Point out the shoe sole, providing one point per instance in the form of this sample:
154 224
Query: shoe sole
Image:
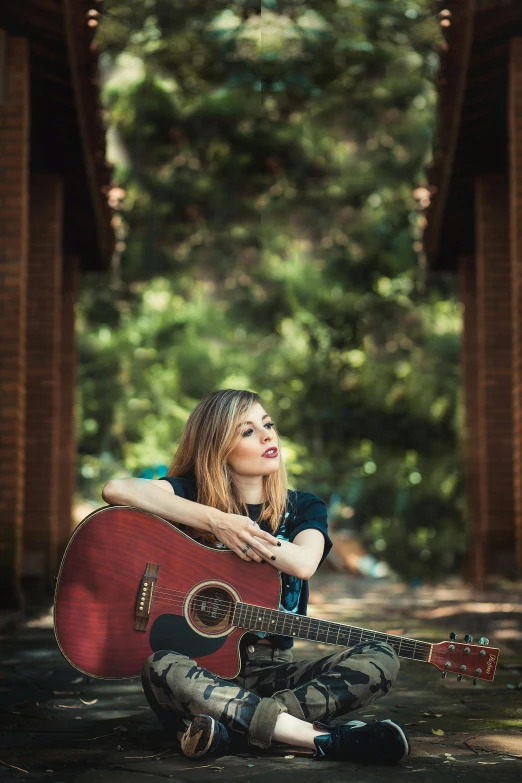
197 739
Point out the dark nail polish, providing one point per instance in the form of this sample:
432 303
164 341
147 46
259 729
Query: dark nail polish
273 557
278 543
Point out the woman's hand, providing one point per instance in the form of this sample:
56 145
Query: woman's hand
243 536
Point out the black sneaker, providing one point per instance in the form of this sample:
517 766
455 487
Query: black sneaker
378 742
205 737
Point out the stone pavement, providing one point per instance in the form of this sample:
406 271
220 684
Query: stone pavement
57 725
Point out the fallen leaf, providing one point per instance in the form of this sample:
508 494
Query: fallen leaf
438 732
88 702
76 679
286 757
431 714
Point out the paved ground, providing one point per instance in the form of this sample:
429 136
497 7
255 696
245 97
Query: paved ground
57 725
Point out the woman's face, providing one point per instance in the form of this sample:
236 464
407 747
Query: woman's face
257 437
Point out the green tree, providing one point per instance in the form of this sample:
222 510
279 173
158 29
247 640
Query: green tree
273 161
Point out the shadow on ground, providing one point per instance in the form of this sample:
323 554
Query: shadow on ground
58 725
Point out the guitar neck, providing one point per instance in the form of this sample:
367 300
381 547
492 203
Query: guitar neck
273 621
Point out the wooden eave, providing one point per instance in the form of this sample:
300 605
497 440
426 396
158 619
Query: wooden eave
67 130
473 115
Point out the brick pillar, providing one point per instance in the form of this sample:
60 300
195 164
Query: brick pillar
67 469
494 377
14 193
468 295
515 154
43 415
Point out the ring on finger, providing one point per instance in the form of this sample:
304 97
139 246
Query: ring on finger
245 550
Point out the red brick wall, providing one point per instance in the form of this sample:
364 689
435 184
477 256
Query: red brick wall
14 174
67 458
515 152
494 375
43 414
468 293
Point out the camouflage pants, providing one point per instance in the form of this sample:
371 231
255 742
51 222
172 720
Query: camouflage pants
268 684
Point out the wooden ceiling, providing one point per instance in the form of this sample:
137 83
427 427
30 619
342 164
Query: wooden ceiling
67 131
473 120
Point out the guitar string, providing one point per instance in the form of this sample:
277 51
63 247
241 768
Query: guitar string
406 645
404 641
226 607
167 592
291 618
226 604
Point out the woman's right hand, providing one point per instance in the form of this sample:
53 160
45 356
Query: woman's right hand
237 533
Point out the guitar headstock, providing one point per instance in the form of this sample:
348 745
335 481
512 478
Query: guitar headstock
465 659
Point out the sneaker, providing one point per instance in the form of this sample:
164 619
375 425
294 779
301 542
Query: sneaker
378 742
205 737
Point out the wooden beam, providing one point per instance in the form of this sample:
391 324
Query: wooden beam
456 63
85 94
515 157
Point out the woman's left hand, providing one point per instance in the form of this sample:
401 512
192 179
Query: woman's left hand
298 558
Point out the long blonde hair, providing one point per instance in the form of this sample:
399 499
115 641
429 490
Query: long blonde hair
209 436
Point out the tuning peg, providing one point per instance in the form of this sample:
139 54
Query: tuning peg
444 675
484 641
475 680
459 677
453 636
468 638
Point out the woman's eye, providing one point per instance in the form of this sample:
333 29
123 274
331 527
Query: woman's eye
250 431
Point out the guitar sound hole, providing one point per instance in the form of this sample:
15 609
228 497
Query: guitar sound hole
212 608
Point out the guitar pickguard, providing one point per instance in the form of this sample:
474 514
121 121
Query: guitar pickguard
172 632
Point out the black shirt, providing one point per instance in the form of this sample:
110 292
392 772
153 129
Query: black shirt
303 511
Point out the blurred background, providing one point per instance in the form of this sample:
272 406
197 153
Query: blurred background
271 174
277 208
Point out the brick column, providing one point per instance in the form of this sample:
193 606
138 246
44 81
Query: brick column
468 295
494 377
43 416
14 187
515 154
67 458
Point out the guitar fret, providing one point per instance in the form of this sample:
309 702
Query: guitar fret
279 622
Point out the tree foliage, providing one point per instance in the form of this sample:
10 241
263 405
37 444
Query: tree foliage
272 157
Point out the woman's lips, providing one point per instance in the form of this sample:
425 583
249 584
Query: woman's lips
271 454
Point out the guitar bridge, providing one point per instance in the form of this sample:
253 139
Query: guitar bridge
145 596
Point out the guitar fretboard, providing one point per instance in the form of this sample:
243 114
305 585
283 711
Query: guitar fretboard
258 618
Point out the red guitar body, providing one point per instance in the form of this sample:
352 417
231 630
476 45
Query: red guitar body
130 583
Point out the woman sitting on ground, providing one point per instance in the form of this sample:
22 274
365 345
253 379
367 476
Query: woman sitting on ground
228 486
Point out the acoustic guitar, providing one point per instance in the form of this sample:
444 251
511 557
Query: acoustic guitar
130 583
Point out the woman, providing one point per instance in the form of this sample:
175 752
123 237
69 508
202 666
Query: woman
228 486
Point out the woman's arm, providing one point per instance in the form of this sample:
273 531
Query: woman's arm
233 530
301 557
